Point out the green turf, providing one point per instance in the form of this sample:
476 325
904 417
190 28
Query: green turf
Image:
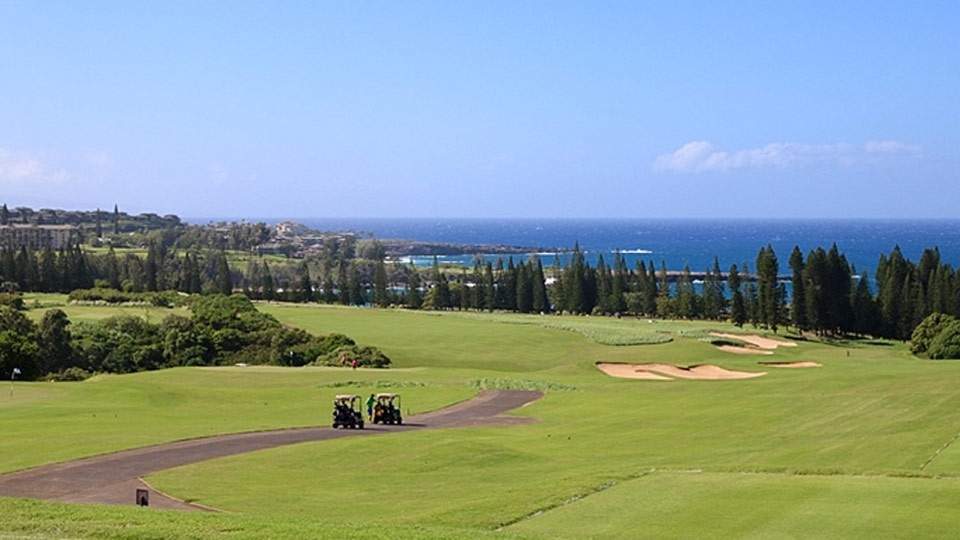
863 446
693 504
50 422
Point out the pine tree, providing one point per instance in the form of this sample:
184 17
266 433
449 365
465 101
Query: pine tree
478 294
650 292
798 310
524 293
509 283
768 298
268 289
541 303
194 279
251 282
381 298
892 272
465 294
56 350
621 280
355 293
664 307
604 286
224 277
150 267
490 287
814 275
713 299
414 297
866 315
439 294
329 288
305 286
50 281
574 281
113 268
27 274
557 292
343 281
738 310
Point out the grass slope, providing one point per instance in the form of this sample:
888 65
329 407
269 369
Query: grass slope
860 447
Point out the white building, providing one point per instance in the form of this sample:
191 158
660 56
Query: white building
36 237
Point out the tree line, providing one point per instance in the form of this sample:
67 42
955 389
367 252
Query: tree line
220 330
818 292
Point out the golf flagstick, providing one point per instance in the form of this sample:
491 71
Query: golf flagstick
13 374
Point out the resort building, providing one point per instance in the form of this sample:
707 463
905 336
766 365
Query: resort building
15 236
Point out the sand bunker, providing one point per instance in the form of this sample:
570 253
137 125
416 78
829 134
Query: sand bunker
630 371
792 364
743 350
662 372
757 341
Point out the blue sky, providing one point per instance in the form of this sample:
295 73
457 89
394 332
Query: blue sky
482 109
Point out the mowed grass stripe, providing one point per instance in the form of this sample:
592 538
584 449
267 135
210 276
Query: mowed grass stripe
677 504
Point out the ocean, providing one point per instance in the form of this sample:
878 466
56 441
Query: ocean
674 242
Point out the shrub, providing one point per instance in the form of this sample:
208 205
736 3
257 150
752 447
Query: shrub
946 346
365 357
71 374
928 330
13 300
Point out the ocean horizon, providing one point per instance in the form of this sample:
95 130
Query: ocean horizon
675 243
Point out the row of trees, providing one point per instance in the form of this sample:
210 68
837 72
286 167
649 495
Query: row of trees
221 330
822 293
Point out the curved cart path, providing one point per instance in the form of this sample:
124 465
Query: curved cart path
114 478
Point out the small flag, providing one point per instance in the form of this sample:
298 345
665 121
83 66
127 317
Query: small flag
16 371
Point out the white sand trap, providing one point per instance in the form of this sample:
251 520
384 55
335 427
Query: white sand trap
792 364
629 371
669 372
756 341
743 350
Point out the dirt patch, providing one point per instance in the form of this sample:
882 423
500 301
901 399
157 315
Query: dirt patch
756 341
792 364
670 372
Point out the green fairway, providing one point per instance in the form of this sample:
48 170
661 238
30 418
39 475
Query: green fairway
862 446
112 412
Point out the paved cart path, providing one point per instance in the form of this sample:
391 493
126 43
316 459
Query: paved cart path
114 478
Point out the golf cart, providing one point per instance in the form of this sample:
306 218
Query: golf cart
347 412
387 409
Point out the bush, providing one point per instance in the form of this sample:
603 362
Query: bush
928 330
113 297
946 346
13 300
365 357
71 374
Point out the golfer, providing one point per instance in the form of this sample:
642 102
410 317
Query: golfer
371 401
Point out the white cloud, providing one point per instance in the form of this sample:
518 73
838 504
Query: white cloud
891 147
18 167
701 156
